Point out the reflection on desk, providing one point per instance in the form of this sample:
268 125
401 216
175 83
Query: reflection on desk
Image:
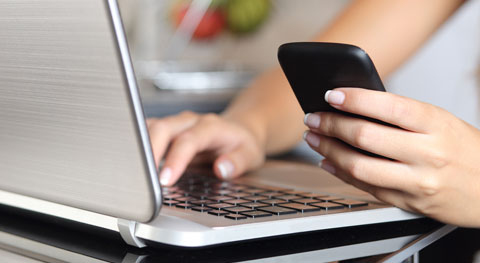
52 239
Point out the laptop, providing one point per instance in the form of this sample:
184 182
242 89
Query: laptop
74 145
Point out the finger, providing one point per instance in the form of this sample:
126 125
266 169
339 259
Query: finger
394 109
378 172
386 141
393 197
234 163
180 154
204 136
162 131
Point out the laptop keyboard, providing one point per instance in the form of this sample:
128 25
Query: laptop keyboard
207 194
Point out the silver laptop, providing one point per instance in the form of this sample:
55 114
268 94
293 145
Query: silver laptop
74 145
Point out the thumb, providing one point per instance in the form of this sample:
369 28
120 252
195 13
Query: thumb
233 164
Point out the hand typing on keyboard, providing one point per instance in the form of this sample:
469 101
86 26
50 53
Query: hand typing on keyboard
231 147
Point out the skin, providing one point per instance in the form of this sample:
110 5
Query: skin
434 165
266 119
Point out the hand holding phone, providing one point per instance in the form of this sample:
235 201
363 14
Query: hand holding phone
313 68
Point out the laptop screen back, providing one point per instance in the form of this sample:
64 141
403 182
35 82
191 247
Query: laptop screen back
71 124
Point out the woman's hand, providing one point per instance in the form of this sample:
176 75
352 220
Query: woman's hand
231 146
434 159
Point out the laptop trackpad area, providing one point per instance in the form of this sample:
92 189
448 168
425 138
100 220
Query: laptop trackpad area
304 177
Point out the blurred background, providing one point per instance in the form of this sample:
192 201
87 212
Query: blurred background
199 58
180 67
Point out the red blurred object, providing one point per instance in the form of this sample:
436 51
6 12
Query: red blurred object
211 24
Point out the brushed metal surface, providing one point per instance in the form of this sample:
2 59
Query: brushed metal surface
68 131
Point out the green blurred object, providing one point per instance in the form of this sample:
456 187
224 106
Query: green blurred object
245 16
218 3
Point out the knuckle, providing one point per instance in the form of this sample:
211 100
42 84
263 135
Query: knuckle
210 117
429 185
399 109
324 148
356 169
437 158
185 137
188 114
421 206
362 135
326 125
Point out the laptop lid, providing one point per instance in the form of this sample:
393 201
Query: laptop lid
72 129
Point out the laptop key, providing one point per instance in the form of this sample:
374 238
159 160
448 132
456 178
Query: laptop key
293 192
235 216
185 199
184 205
219 205
238 209
256 214
288 197
201 208
170 202
312 195
219 198
239 195
351 203
236 201
275 201
218 212
199 195
305 201
277 210
328 205
255 198
202 202
300 207
254 191
254 205
329 198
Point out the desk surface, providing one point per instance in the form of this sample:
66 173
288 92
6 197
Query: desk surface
33 234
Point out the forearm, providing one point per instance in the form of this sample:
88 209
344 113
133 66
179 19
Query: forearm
390 31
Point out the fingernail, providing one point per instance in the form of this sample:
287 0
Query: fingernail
311 138
335 97
226 169
327 167
165 176
312 120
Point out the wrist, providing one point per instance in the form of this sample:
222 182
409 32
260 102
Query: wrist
252 124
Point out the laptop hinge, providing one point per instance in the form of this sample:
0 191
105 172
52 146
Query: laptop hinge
127 231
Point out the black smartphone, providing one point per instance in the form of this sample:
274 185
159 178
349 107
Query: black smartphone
312 68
